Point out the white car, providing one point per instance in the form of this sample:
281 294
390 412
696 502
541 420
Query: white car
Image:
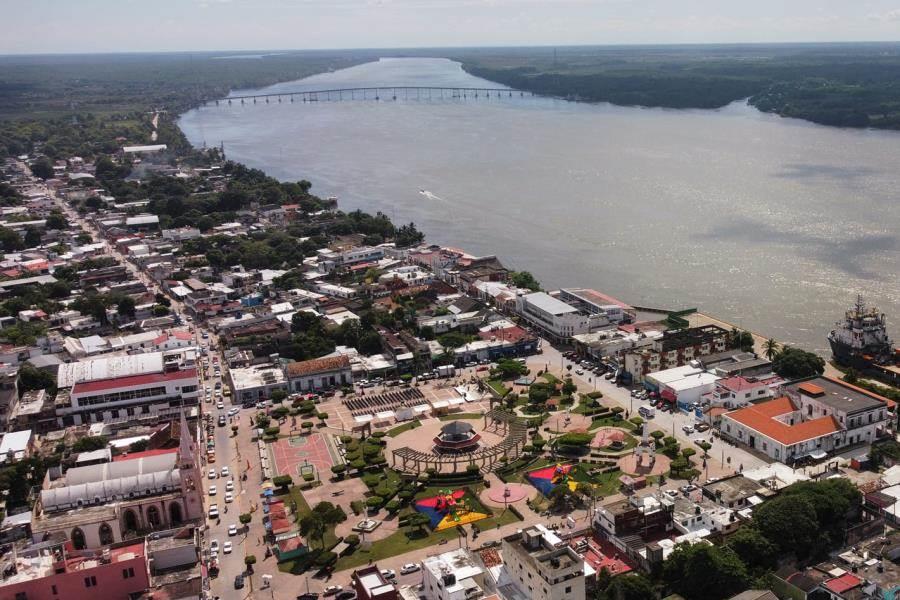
409 568
212 474
226 547
331 590
225 472
232 529
229 485
688 429
212 490
213 511
233 411
388 574
220 405
579 372
214 546
229 497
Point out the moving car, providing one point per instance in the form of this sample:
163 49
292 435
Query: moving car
701 427
388 574
226 548
409 568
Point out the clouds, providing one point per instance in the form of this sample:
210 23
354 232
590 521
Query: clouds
52 26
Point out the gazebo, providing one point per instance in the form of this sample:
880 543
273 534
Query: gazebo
456 436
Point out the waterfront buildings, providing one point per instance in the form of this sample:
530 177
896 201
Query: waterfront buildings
810 418
674 349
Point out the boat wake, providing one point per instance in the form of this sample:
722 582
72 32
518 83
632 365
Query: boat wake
430 196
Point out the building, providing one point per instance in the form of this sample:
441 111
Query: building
681 386
102 504
319 373
50 571
370 584
738 391
593 302
610 343
16 446
674 349
557 319
454 575
122 389
256 383
541 565
812 418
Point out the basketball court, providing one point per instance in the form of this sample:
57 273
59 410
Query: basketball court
291 454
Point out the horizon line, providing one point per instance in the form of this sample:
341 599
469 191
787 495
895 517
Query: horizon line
468 47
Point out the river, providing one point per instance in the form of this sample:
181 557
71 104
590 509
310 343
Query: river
772 223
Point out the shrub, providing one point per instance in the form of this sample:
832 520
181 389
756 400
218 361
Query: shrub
374 502
306 425
352 540
322 416
378 435
282 480
250 559
637 421
272 431
357 506
392 506
309 477
346 439
472 468
325 558
358 464
245 518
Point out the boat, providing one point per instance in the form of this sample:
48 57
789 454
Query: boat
861 339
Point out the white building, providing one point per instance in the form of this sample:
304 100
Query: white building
541 565
319 373
558 319
453 575
256 383
813 418
122 389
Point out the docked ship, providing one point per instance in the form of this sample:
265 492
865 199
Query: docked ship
861 339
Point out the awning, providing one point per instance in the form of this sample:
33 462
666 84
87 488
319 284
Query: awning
440 404
455 401
422 408
363 418
387 414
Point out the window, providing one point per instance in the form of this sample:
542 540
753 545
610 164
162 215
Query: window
90 581
23 595
569 589
128 573
53 590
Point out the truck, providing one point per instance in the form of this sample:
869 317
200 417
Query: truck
445 371
647 411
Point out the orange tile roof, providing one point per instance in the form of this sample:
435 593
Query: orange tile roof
760 418
318 365
811 389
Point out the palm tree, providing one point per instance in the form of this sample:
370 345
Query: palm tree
771 348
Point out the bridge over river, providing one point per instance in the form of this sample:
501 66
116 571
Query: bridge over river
391 93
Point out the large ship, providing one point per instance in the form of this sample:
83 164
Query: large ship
861 339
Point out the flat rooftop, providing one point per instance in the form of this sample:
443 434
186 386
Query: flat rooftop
837 394
549 304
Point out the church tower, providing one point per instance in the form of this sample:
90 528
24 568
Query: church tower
191 486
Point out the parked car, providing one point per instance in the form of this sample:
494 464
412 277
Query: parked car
409 568
701 427
388 574
212 474
225 472
331 590
346 595
226 548
688 429
238 582
212 490
229 485
214 546
229 497
213 511
232 529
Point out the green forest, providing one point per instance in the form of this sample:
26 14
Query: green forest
845 85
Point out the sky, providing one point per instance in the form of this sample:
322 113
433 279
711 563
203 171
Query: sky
68 26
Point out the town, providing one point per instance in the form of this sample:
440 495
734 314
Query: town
215 385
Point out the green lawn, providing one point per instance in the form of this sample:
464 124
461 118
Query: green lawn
498 387
551 378
405 427
406 540
298 565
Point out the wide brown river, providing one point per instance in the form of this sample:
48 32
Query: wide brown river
772 223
